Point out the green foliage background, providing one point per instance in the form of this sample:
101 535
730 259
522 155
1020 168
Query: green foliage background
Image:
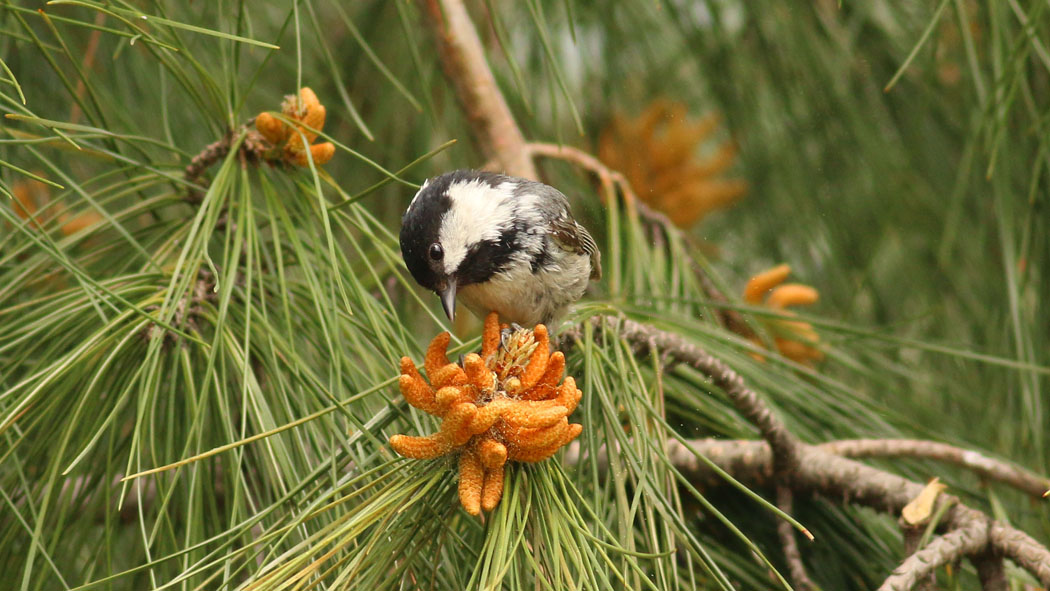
919 213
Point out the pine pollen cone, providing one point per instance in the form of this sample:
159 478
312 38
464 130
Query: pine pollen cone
503 404
296 141
795 339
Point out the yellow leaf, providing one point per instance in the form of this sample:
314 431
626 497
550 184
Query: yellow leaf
920 508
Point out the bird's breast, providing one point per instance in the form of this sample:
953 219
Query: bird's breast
528 297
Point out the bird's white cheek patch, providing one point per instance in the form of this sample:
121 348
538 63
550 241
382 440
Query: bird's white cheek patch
479 212
418 193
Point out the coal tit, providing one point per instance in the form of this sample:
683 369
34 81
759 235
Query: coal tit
498 243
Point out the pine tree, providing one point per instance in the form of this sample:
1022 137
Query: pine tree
204 311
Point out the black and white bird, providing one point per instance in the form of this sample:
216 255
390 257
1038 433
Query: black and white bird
498 243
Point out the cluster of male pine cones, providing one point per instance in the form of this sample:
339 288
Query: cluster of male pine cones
308 110
503 404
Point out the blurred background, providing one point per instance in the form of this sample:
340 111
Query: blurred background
893 153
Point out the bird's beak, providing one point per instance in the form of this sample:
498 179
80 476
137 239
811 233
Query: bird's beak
448 299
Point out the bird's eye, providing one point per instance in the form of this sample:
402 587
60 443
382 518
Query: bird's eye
436 252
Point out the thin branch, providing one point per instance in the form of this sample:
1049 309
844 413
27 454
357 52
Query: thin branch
679 350
990 571
252 151
989 468
463 61
837 478
918 567
610 181
796 568
912 535
204 159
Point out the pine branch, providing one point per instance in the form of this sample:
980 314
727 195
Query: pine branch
979 463
463 62
837 478
920 566
786 532
676 349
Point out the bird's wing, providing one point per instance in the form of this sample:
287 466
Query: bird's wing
574 237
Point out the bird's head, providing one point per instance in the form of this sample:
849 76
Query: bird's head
461 228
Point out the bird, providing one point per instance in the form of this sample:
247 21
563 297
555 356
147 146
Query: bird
499 244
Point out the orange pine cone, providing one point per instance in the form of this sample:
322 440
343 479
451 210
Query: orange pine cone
658 152
538 361
794 339
450 375
537 455
457 420
530 439
761 284
483 418
490 337
531 416
415 390
489 414
271 128
493 454
422 448
478 373
492 490
471 478
435 357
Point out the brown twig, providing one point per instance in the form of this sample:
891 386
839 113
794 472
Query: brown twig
821 472
611 180
917 568
252 151
676 349
989 468
187 309
463 62
990 571
912 535
786 532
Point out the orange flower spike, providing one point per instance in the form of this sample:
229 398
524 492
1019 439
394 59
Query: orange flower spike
801 331
415 389
422 448
321 153
493 454
471 478
490 336
478 373
526 439
758 285
271 128
538 360
436 357
305 108
798 352
568 395
492 489
445 398
533 417
488 415
548 384
450 375
314 118
538 455
482 420
792 294
457 421
74 224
